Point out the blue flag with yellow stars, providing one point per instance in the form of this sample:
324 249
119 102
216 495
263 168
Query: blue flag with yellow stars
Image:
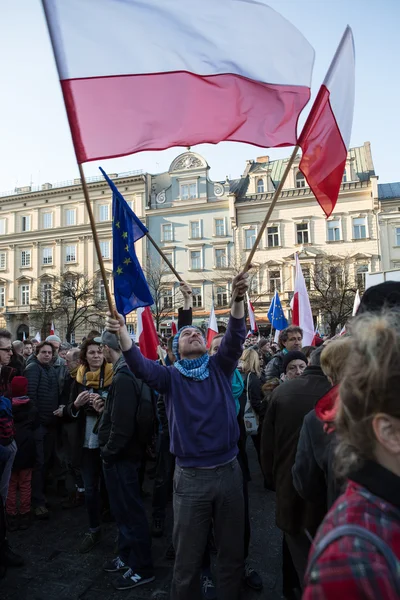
275 314
130 285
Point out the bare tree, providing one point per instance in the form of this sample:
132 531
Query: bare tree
333 288
161 283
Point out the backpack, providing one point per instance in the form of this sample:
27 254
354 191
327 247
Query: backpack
250 418
365 534
145 415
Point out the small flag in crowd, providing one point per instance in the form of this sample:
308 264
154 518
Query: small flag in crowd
252 318
23 336
52 329
174 328
212 328
325 138
275 314
148 75
38 337
130 285
357 302
146 335
301 307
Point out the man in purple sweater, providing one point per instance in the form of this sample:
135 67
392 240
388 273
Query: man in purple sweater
204 434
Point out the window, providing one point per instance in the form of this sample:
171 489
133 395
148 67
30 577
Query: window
70 217
25 258
105 249
131 329
360 228
104 210
3 260
47 220
253 286
170 257
222 296
70 254
47 257
188 190
307 276
302 233
220 258
131 204
102 291
360 276
274 281
26 223
46 293
397 236
167 232
197 298
249 238
300 180
167 298
260 186
273 236
344 178
25 294
72 337
195 260
2 296
219 227
334 230
2 226
195 233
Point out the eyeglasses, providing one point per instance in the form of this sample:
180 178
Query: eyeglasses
9 349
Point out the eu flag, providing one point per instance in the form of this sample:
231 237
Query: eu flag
130 285
275 314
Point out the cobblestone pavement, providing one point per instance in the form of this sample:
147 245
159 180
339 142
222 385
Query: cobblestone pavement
56 571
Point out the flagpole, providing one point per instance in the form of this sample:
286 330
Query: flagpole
96 240
161 253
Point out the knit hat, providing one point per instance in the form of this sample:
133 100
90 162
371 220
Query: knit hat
53 338
19 386
293 355
175 343
108 339
377 297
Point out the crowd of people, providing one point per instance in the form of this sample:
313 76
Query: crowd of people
324 422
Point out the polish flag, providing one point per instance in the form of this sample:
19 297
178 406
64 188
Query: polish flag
252 319
212 329
146 334
151 75
357 302
301 307
38 337
52 330
174 328
325 138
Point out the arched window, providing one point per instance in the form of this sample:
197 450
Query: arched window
300 180
260 186
360 276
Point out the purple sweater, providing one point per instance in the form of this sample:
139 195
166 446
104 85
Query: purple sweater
201 414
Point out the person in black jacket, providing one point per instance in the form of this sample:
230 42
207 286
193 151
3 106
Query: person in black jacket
290 339
44 393
252 390
120 450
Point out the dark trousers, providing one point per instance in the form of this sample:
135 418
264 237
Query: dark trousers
163 481
91 472
45 438
202 497
298 546
134 542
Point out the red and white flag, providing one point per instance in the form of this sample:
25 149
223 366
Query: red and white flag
325 138
252 319
146 334
174 328
212 329
151 75
38 337
301 307
52 329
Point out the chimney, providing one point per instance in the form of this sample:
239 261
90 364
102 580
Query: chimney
262 159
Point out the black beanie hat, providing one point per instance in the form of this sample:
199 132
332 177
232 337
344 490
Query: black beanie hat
377 297
293 355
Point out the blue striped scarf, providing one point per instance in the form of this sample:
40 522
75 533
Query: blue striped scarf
194 368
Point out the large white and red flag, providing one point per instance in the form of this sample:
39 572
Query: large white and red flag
301 307
212 329
146 334
325 138
252 318
150 75
174 329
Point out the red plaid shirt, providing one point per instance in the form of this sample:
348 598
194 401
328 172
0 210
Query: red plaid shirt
352 568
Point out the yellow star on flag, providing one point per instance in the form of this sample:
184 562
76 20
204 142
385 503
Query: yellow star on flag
127 261
119 271
125 234
126 248
117 224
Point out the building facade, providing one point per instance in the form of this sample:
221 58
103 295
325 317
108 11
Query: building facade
389 224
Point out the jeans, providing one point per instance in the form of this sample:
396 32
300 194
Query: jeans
20 480
45 438
164 477
5 469
91 471
202 496
134 542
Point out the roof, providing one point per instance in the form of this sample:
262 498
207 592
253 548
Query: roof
239 186
388 191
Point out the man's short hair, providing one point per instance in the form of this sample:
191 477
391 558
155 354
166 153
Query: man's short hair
4 333
17 345
284 334
27 342
40 346
65 346
315 357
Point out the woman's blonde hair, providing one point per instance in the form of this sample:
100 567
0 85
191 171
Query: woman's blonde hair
334 358
251 362
370 386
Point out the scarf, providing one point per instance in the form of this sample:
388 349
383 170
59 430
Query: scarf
73 372
326 409
194 368
93 377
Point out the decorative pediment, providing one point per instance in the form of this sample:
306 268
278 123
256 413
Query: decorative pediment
188 161
307 253
274 263
361 256
24 278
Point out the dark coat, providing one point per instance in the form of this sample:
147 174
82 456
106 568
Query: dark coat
26 421
6 375
255 395
289 404
313 476
117 430
43 390
275 366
